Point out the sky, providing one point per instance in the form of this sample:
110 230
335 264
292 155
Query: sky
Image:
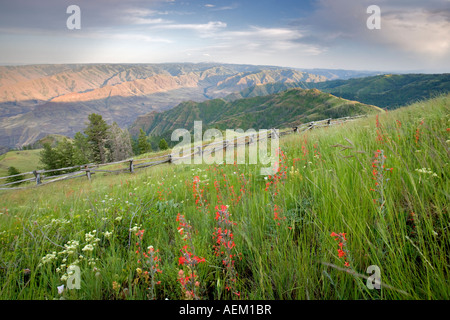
413 35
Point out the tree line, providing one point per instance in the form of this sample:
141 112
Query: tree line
98 143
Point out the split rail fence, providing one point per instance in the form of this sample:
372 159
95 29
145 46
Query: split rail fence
42 177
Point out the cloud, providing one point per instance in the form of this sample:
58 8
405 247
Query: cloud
419 31
213 7
51 14
329 32
268 40
141 16
255 44
206 28
223 8
136 37
409 27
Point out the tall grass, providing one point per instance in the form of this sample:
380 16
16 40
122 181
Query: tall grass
283 246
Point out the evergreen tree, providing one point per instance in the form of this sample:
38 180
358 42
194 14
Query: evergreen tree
144 145
49 157
82 150
12 171
135 145
163 144
97 136
64 154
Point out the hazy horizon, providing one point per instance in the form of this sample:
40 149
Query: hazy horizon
225 63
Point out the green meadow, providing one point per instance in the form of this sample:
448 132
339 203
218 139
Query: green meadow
373 192
23 160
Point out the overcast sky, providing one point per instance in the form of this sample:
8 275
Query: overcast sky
414 35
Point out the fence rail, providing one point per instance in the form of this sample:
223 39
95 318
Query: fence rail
87 170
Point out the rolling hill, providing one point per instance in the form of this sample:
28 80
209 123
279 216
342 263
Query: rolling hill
23 160
277 110
389 91
385 91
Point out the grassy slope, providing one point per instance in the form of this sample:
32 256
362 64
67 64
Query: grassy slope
274 110
325 191
385 91
391 91
24 161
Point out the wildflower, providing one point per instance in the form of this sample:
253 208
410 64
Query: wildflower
411 223
48 258
181 260
60 289
88 247
134 229
189 259
378 165
417 136
115 286
342 251
149 261
379 134
427 171
199 199
224 244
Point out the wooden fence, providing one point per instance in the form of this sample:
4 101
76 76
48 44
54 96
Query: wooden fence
39 178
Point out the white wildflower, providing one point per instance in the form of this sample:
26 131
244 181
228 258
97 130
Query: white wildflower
88 247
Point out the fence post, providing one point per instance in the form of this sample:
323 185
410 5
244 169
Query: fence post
131 166
88 172
37 174
170 158
275 134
